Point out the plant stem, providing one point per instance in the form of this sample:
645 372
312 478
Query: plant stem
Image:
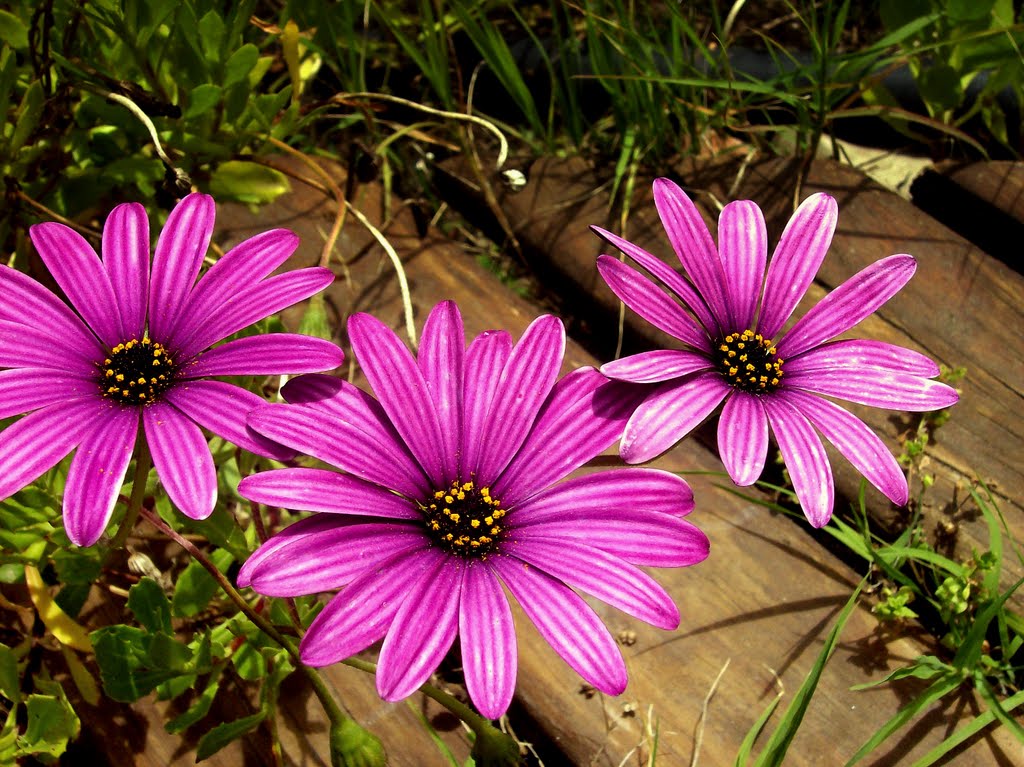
143 463
331 707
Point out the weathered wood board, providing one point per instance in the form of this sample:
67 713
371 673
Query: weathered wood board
762 602
961 308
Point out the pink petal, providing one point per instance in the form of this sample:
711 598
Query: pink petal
858 443
656 366
651 491
583 417
796 260
651 302
567 623
422 632
692 243
327 491
663 272
859 353
126 260
743 438
401 390
296 564
364 610
743 247
180 250
182 459
485 360
634 535
96 474
23 301
441 359
223 408
488 638
253 304
805 459
269 354
342 444
848 304
80 274
670 412
601 575
876 387
22 346
36 443
25 389
240 268
529 374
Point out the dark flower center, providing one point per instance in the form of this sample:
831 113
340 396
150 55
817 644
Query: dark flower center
136 372
749 361
463 520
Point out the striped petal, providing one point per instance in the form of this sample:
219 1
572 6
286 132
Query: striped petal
805 459
603 576
126 259
36 443
401 389
24 301
743 246
223 408
180 250
364 610
857 443
442 359
488 638
666 274
692 243
651 302
859 353
530 372
182 459
22 346
422 632
796 260
96 474
485 360
670 412
848 304
80 274
743 438
322 490
583 417
25 389
656 366
269 354
567 623
877 387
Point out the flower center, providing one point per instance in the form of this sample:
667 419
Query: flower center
136 372
463 520
749 361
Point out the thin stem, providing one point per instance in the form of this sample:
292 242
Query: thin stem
331 707
143 463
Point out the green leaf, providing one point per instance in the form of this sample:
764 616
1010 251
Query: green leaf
13 31
196 587
10 680
240 64
940 88
211 35
202 99
149 604
122 653
201 706
222 734
167 653
249 662
78 565
27 116
52 722
969 10
247 182
314 321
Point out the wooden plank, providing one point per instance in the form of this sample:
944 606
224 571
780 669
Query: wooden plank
763 600
974 325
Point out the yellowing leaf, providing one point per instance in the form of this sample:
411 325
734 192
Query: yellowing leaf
60 624
290 47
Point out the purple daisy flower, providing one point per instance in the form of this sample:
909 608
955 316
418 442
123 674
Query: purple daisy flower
138 349
738 353
448 495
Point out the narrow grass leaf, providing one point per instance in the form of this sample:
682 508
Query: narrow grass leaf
969 730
